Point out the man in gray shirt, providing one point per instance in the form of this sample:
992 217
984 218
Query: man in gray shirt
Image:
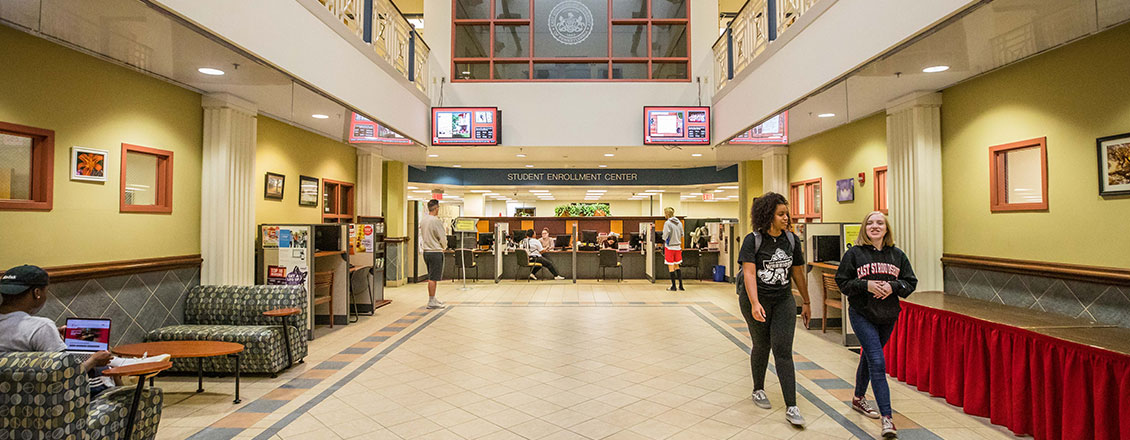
432 240
23 291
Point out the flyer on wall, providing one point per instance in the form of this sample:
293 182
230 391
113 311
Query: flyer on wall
361 239
270 236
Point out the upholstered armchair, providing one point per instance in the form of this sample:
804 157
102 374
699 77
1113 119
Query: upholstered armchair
45 396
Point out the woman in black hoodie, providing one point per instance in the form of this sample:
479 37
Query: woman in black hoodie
874 274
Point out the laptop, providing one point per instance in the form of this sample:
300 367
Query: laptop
85 336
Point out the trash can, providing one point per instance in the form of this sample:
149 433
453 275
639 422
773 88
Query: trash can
720 273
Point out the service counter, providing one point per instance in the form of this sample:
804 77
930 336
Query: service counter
588 266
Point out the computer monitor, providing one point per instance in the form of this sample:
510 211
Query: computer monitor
827 247
486 239
588 236
327 237
634 239
453 242
562 241
658 237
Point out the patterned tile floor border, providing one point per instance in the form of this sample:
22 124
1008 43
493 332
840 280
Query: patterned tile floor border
245 417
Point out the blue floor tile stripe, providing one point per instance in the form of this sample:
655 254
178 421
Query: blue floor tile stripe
278 426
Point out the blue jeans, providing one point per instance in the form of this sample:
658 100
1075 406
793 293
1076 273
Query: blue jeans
872 365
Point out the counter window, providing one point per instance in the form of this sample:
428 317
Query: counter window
881 189
805 201
26 158
147 180
1018 176
337 201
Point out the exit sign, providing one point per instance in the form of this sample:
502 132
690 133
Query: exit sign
708 196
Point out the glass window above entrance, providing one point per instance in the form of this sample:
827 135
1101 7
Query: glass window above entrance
571 40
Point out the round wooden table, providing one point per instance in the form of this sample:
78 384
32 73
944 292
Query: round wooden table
141 370
187 349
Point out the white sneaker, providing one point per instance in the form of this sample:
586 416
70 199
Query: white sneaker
761 400
792 414
533 277
558 277
434 303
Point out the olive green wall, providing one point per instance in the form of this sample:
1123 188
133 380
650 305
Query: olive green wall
284 149
841 153
95 104
1071 95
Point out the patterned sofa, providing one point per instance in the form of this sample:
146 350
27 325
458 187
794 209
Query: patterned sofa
235 314
46 396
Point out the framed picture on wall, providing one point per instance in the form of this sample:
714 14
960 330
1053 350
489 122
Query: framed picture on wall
273 186
1114 165
845 190
308 191
88 164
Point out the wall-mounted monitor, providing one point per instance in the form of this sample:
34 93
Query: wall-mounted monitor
363 130
676 125
774 131
466 126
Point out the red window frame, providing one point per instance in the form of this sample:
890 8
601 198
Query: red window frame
531 60
881 203
998 188
42 168
809 188
164 191
342 193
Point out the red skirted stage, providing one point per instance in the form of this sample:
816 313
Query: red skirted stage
1029 382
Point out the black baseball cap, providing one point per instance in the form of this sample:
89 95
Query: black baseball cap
20 278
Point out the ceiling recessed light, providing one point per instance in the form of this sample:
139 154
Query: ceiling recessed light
210 71
529 166
411 187
481 191
696 155
935 69
608 154
319 116
539 190
719 190
520 155
654 191
825 115
696 194
433 155
603 166
422 191
457 166
598 190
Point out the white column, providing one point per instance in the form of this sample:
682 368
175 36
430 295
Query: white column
369 169
914 182
474 205
228 181
775 171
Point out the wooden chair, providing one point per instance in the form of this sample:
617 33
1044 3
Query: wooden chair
830 288
523 258
465 259
324 281
610 258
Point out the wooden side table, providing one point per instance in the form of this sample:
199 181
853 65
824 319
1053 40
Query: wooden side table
149 369
282 314
187 349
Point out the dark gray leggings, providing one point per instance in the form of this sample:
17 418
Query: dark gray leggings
776 333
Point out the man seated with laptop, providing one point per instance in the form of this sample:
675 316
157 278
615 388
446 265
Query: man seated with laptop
23 291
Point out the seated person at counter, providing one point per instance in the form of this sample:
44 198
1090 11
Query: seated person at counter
609 242
546 240
533 247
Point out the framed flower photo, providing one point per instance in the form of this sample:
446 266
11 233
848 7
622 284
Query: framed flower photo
1114 165
273 186
88 164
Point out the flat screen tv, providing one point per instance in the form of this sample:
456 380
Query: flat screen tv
676 125
466 126
363 130
774 131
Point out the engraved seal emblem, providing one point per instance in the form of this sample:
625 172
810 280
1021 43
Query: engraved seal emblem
570 22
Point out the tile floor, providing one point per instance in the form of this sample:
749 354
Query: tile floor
548 360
